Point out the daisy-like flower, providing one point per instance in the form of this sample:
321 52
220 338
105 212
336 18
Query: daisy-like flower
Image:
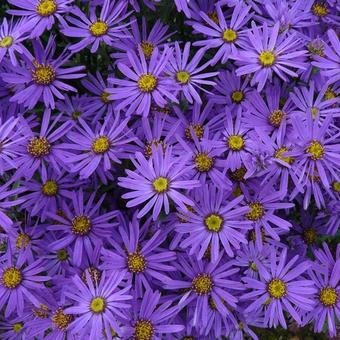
142 258
150 318
157 180
214 221
41 76
280 288
81 225
12 34
267 53
41 14
329 62
227 37
95 30
97 306
19 283
202 284
14 328
96 149
146 83
188 75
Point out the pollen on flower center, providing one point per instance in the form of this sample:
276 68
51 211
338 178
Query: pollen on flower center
156 143
95 274
98 28
202 284
62 255
101 145
22 240
310 236
253 266
11 277
314 110
320 9
328 296
43 74
160 184
203 162
279 154
276 288
183 77
214 17
46 7
147 82
105 97
229 35
17 327
76 115
136 263
267 58
236 142
316 150
330 93
144 330
238 174
98 305
198 130
336 186
6 41
147 48
256 211
213 222
50 188
38 147
81 225
61 320
276 117
237 96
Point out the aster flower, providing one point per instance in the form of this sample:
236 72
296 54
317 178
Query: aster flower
41 14
19 284
267 53
16 327
81 225
157 180
151 318
97 306
188 75
96 149
214 221
282 288
227 37
42 76
146 83
95 30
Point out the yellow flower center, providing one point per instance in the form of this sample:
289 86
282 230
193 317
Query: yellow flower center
143 330
237 96
50 188
61 320
320 9
46 7
95 275
183 77
229 35
256 211
238 174
279 154
236 142
202 284
310 236
316 150
276 117
22 241
81 225
43 74
11 277
156 143
98 28
314 110
276 288
105 97
38 147
198 131
330 94
136 263
101 145
336 186
253 267
267 58
147 48
98 305
214 17
203 162
17 327
76 115
6 42
213 222
328 296
160 184
147 82
62 255
41 312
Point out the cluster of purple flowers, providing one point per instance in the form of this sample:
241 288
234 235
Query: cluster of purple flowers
182 189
